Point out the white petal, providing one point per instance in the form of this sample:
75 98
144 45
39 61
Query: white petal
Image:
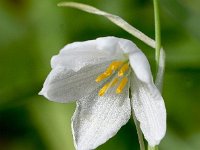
97 119
140 66
79 54
64 85
149 109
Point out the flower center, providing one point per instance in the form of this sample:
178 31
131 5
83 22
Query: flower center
119 70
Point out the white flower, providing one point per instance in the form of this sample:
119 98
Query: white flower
99 74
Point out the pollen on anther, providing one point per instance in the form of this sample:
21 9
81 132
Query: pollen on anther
103 90
104 75
112 67
123 69
115 65
122 85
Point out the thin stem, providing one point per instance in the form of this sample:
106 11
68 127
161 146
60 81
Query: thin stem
158 44
139 132
113 18
152 148
157 30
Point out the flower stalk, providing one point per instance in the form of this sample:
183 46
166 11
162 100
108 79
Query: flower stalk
153 148
158 44
139 132
157 30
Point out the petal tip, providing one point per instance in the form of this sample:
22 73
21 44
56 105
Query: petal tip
141 67
43 92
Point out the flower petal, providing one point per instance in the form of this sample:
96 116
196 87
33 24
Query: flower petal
79 54
149 109
97 119
140 66
64 85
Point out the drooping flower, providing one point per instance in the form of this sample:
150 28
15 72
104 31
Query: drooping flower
107 77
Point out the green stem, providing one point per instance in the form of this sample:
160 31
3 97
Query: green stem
157 30
158 43
139 132
152 148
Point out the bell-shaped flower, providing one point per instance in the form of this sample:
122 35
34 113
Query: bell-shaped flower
108 78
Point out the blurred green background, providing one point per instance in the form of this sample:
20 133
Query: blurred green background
32 31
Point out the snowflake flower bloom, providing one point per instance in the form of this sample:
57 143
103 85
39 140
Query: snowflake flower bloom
106 77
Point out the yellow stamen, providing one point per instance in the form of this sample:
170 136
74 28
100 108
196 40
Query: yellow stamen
104 75
108 72
112 67
122 85
123 69
100 77
104 89
115 65
114 82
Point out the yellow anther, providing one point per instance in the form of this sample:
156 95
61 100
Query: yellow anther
112 67
122 85
108 72
115 65
123 69
104 75
104 89
101 77
113 83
